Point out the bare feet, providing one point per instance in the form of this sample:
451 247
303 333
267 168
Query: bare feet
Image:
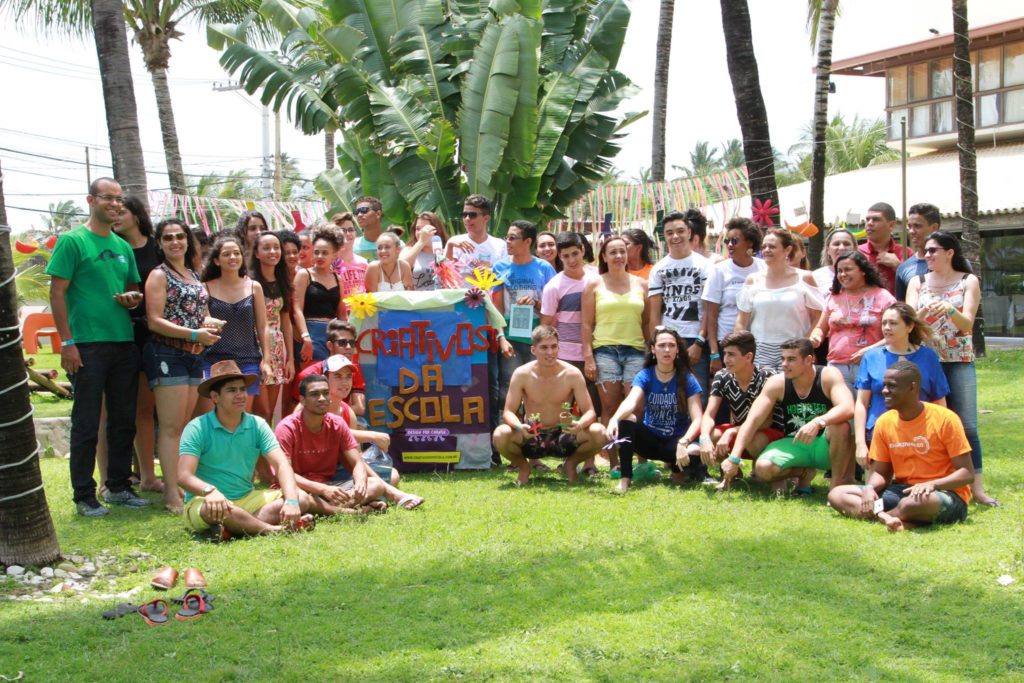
155 485
893 524
524 474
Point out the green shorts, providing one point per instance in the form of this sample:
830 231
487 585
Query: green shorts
252 502
785 453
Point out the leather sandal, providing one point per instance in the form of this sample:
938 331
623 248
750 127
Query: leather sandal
194 578
165 579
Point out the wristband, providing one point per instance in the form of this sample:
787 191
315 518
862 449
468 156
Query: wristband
715 356
291 501
704 439
194 332
734 460
305 335
69 342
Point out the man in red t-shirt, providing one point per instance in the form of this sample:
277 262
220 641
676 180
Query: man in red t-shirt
317 443
922 461
341 339
881 249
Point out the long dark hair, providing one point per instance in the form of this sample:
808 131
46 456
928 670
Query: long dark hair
138 209
281 282
948 240
190 250
682 363
871 276
638 236
211 270
242 225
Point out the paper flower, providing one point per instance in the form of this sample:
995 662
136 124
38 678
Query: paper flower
475 297
446 274
763 212
614 443
362 305
484 278
533 424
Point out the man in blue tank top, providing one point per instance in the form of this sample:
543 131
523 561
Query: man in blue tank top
817 407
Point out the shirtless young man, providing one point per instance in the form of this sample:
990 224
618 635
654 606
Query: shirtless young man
541 387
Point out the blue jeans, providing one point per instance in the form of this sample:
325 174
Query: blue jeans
111 370
701 370
963 400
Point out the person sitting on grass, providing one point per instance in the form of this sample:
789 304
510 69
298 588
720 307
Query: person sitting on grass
217 458
816 406
669 395
922 461
340 378
317 443
735 387
544 387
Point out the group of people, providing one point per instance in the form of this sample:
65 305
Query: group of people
698 360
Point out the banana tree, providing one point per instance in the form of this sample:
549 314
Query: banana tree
436 99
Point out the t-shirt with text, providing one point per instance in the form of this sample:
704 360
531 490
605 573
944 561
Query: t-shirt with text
522 280
484 255
725 280
663 414
680 282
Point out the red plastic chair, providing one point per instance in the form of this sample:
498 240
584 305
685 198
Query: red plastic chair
39 325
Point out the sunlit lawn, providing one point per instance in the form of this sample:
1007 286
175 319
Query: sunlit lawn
556 583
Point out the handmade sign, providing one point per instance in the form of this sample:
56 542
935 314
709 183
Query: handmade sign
424 359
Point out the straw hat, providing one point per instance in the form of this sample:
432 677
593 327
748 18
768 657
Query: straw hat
225 370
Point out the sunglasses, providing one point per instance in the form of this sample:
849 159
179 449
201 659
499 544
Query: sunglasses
173 237
469 215
932 250
362 210
345 342
732 241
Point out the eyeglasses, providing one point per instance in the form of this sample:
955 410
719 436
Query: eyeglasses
349 229
119 199
345 342
361 210
732 241
469 215
932 250
173 237
512 238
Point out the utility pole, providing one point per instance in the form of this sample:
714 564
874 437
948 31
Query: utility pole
88 168
278 166
266 170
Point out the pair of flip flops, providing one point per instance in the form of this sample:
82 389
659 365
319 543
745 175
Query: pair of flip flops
194 603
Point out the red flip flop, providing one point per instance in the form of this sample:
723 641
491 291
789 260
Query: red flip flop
154 612
192 608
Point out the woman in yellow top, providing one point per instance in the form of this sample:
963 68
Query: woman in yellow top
614 321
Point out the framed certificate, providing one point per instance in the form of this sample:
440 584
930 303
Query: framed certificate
520 321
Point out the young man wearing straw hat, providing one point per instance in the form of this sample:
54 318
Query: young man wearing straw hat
218 455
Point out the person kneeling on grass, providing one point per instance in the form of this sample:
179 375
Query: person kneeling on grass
544 387
218 456
735 387
670 397
922 461
317 444
816 406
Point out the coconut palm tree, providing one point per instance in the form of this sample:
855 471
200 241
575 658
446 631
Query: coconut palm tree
662 52
848 145
750 109
732 154
27 535
154 24
821 21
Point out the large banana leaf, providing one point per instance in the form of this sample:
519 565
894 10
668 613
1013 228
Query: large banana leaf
606 29
337 189
488 102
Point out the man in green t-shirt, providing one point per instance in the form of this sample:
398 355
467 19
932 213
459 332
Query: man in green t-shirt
217 459
94 283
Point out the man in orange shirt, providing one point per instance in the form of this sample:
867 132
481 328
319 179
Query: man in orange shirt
922 461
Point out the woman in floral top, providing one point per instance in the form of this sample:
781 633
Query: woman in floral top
947 298
268 268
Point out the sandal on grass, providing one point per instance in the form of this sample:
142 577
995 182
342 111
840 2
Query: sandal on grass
154 612
410 502
121 610
192 607
207 598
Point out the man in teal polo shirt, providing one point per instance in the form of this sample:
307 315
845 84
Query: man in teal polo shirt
94 283
218 455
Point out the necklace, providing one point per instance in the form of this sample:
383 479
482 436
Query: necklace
387 278
660 375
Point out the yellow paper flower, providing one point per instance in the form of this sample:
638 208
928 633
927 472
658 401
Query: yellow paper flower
484 278
362 305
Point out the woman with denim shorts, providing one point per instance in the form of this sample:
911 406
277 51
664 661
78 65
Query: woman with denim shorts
947 297
614 320
176 311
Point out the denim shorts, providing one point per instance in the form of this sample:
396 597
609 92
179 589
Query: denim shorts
618 363
246 368
952 507
168 367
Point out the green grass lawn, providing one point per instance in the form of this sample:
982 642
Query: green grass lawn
489 582
45 403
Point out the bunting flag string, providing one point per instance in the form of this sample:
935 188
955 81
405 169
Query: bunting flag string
216 213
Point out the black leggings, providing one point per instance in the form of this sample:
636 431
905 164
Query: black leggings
650 445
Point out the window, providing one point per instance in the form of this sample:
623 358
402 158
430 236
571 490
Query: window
987 112
1013 66
943 115
920 121
942 77
894 122
918 82
988 78
897 86
1014 104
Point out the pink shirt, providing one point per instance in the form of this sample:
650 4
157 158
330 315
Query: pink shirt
315 456
854 322
351 276
563 298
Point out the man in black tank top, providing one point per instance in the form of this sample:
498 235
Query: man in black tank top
817 406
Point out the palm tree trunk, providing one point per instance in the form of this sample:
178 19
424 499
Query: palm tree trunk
27 535
661 61
826 27
169 132
750 109
119 95
328 149
964 90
